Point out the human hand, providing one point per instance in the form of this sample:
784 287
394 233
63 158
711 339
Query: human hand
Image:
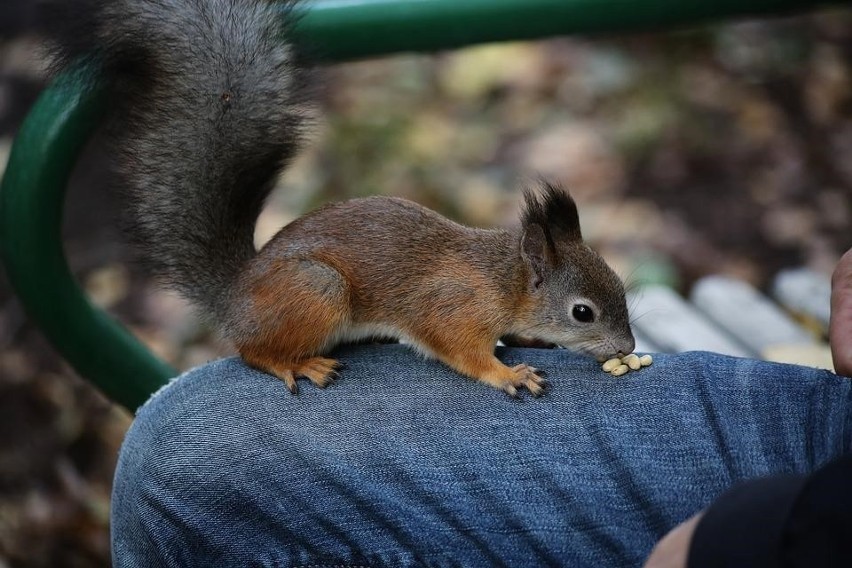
840 326
673 549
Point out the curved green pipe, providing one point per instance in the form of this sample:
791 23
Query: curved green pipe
31 203
59 125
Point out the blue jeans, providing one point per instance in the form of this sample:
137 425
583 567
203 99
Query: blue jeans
404 463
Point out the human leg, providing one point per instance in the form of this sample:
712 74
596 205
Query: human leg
403 462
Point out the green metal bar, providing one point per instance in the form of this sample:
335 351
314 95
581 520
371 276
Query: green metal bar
60 123
348 29
31 203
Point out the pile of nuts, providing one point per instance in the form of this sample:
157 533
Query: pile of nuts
618 366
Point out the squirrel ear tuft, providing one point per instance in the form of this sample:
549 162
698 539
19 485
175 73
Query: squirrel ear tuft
553 209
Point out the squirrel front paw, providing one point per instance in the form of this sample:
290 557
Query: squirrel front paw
528 378
510 379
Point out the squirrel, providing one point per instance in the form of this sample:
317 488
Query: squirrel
210 105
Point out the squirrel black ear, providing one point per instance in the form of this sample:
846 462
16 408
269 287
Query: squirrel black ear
536 252
553 209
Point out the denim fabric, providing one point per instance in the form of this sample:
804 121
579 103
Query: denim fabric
404 463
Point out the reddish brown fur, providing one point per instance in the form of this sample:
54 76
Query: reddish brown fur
285 341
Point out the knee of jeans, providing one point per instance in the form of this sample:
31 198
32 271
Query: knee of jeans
193 452
195 428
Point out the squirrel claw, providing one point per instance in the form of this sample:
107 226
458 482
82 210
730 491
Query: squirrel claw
289 379
529 378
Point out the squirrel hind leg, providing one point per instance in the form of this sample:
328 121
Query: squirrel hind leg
295 311
321 371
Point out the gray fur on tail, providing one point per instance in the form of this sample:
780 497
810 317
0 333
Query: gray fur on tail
208 109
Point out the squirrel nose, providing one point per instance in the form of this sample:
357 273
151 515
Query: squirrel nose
628 344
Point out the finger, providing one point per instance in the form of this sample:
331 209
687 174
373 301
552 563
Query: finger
840 325
673 549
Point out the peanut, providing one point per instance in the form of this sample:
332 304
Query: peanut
620 370
632 361
618 366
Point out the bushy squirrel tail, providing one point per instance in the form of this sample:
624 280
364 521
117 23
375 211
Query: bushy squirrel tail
208 108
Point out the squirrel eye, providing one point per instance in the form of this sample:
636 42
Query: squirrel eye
583 313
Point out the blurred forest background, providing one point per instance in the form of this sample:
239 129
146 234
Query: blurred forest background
719 149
